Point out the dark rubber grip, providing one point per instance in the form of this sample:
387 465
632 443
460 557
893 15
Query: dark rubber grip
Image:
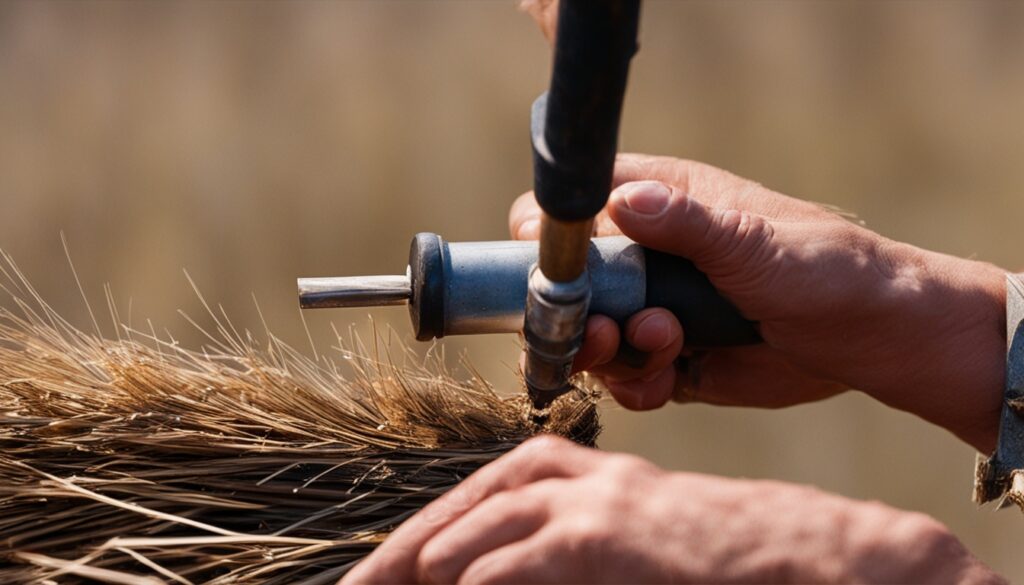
708 319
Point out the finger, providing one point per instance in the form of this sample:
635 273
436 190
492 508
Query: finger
544 13
630 167
600 343
604 226
758 376
500 520
655 331
533 560
647 393
524 220
542 457
660 216
714 187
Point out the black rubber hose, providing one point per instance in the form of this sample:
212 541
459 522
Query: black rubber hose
576 124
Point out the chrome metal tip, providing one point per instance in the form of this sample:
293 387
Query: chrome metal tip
354 291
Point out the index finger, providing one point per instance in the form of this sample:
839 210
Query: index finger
524 215
543 457
524 220
544 13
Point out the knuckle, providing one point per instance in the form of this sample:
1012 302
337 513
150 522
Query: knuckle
744 235
513 504
523 209
587 535
934 538
543 456
622 465
741 254
544 446
541 452
458 500
435 563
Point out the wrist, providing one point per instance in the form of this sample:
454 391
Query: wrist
819 537
894 546
948 340
780 532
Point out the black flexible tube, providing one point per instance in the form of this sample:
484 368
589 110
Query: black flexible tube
576 124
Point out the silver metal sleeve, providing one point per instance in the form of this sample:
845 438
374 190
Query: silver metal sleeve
556 313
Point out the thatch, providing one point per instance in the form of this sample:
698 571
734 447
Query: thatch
133 460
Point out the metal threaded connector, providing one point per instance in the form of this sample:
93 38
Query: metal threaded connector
556 315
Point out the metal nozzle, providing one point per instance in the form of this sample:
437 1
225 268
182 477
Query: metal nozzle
354 291
557 301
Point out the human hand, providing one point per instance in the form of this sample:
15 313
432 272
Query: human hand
839 306
554 512
544 13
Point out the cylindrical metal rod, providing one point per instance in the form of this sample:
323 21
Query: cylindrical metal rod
563 247
354 291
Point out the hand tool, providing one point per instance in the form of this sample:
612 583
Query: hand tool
546 290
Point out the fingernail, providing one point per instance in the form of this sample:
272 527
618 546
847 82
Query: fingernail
645 197
654 332
529 230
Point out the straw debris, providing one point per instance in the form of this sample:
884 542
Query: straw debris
134 460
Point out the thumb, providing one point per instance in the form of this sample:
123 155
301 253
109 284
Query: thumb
659 216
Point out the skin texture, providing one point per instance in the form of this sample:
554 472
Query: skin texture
839 307
554 512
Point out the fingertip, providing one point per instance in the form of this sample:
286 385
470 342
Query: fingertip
646 393
656 215
629 167
654 330
647 198
528 230
600 343
524 218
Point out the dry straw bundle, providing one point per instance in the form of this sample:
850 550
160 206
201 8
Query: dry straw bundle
133 460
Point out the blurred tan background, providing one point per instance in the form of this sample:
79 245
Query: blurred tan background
251 143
